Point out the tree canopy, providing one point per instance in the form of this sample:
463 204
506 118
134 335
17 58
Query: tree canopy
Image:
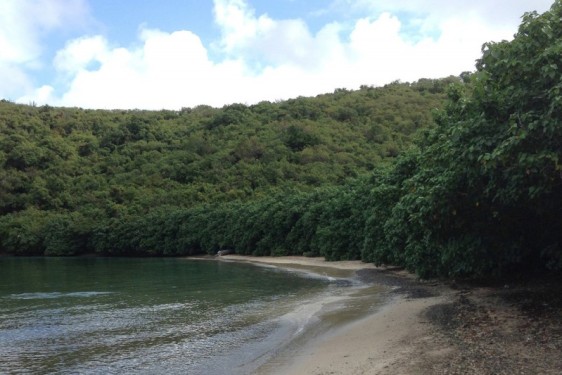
87 170
484 193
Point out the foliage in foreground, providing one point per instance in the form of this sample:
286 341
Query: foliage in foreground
485 194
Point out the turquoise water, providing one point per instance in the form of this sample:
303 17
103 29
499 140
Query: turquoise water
99 315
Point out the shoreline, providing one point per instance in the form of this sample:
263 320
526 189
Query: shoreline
383 341
432 327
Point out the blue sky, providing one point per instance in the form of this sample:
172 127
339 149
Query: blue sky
155 54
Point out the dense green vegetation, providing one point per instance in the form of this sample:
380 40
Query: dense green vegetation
336 175
68 174
482 194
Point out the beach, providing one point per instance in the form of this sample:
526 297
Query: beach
381 342
429 327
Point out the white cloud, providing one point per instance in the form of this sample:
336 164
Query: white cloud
80 53
268 59
23 21
168 70
14 81
22 24
498 12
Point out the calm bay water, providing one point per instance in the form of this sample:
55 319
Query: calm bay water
99 315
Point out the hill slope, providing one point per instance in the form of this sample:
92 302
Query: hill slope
69 159
68 173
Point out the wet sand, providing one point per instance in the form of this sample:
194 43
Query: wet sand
383 341
478 327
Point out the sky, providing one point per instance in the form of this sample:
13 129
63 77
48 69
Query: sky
171 54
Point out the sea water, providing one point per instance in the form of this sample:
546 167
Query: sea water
128 315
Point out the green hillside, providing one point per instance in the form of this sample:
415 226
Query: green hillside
59 159
129 162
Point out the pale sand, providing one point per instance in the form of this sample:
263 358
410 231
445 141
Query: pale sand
385 342
301 261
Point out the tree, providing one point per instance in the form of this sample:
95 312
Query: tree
486 196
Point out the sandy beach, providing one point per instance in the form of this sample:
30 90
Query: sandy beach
381 342
430 327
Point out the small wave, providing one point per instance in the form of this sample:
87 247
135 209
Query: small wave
336 281
53 295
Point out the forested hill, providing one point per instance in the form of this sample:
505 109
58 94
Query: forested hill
111 163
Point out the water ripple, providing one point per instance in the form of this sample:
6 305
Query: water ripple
53 295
